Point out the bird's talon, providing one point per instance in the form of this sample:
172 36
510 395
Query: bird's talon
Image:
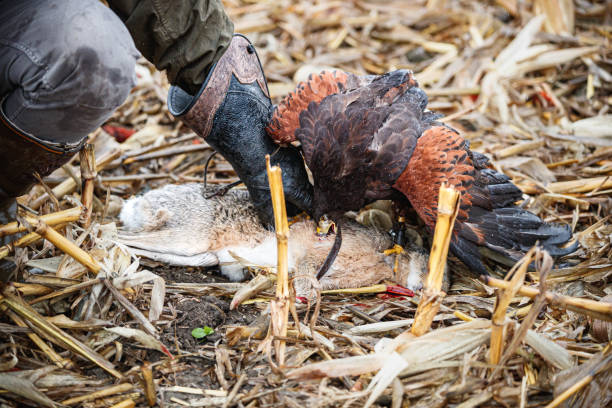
325 226
396 250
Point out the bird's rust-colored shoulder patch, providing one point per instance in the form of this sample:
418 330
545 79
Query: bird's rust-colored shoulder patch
286 117
440 156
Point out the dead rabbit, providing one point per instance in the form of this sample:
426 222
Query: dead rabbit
177 225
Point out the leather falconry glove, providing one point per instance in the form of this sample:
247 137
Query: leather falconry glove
231 111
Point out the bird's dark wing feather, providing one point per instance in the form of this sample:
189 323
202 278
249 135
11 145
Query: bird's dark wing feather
487 216
285 118
358 142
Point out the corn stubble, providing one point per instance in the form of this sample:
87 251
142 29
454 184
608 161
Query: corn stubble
526 83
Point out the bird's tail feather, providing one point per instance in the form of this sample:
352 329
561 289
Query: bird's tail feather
510 232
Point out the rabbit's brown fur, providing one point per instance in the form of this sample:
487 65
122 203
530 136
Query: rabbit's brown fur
178 225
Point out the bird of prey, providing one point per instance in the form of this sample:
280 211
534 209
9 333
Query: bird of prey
367 138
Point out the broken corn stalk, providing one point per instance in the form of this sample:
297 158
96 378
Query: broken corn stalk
88 176
52 219
593 308
67 246
504 297
448 206
149 384
279 307
67 186
26 240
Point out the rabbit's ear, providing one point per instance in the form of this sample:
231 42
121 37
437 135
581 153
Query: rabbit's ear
142 218
135 214
162 216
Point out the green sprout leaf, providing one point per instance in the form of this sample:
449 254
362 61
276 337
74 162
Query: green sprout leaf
201 332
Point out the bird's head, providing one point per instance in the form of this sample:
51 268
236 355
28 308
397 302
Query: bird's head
325 226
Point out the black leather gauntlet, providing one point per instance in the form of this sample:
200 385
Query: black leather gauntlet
230 112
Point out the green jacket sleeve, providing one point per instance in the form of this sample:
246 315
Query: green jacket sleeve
183 37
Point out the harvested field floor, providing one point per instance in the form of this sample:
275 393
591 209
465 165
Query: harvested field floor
527 83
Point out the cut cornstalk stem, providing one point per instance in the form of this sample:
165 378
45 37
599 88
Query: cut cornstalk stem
88 176
279 307
60 217
599 310
69 185
67 246
149 384
26 240
545 263
504 297
431 298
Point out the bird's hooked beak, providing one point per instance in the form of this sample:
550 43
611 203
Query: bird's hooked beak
325 226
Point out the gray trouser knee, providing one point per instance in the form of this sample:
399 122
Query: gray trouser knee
65 66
